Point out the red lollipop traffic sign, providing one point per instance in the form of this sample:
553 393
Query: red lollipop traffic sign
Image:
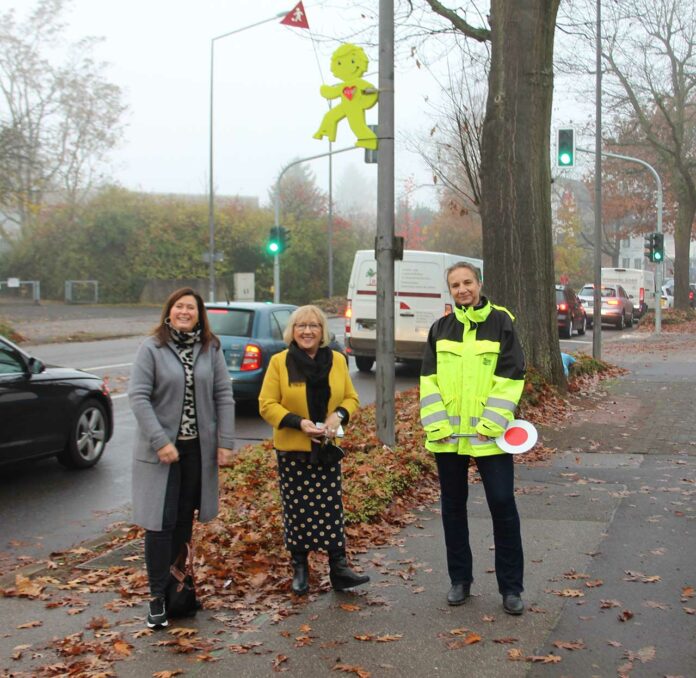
520 436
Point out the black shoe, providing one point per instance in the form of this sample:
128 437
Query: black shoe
512 603
157 614
458 594
340 574
300 568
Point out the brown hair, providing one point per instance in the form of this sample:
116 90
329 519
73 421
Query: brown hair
161 331
462 264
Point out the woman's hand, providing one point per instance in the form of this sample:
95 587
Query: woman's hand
225 456
311 429
168 454
333 421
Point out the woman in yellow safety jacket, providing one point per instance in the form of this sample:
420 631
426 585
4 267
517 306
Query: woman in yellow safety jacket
471 381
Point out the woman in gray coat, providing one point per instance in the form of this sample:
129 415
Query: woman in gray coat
181 395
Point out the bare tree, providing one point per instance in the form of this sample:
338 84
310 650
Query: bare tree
54 97
452 148
650 87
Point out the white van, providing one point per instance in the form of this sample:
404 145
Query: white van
421 297
639 284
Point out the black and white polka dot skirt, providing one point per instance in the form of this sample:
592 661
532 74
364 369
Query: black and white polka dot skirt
312 503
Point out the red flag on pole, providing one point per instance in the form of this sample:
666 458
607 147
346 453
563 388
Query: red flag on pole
296 17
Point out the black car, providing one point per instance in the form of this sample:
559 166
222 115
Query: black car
250 333
570 312
51 411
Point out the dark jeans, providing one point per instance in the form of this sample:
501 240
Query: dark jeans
182 498
497 473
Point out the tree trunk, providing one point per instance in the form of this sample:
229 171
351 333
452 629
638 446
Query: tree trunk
516 177
682 242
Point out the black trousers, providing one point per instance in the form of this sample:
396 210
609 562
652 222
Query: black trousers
182 498
497 473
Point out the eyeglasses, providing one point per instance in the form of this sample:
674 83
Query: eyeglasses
314 327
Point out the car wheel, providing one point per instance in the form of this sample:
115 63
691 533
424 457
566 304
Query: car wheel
622 322
87 437
567 332
630 321
583 326
364 363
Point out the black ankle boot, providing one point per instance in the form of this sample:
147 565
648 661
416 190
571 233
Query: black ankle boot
300 568
340 575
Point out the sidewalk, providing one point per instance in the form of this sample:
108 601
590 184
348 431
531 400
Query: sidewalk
609 533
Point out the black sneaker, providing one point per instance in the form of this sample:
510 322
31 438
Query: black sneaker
157 614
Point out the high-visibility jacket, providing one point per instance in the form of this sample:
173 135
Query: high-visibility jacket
471 379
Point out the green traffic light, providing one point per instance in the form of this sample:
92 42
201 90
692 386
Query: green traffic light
273 247
564 159
658 256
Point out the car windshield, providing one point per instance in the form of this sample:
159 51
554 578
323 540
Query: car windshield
609 292
587 291
231 321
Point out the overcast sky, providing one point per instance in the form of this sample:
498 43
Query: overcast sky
266 85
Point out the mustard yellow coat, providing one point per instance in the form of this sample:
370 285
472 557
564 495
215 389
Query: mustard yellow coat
279 397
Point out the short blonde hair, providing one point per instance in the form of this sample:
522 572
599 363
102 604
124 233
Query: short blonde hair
307 314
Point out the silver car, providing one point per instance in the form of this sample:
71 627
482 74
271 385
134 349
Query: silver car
617 306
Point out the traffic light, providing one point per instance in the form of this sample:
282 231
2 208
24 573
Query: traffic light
649 246
658 255
565 146
277 240
654 247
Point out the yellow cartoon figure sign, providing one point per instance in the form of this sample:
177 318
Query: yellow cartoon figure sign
348 64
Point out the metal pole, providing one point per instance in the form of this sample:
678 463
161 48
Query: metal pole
211 196
276 206
330 224
597 312
384 244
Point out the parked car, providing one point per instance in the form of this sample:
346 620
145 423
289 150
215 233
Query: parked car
250 333
51 411
570 312
692 295
617 307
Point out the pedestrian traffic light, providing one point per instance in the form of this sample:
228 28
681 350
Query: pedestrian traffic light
277 240
565 146
649 246
658 255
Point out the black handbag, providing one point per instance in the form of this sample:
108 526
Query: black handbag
181 590
329 453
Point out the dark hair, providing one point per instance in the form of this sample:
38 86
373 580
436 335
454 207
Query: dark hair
161 332
462 264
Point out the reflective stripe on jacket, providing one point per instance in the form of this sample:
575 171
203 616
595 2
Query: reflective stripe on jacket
471 379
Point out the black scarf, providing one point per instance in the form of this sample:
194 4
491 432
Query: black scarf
314 372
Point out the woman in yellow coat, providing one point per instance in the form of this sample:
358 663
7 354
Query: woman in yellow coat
306 395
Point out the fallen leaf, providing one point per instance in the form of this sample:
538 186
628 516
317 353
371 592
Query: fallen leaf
687 592
570 645
30 624
505 641
516 655
182 632
167 674
349 668
545 659
348 607
18 651
625 615
606 604
594 583
279 661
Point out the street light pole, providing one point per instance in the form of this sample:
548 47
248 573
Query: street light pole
211 196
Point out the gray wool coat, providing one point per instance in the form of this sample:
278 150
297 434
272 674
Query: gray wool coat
156 396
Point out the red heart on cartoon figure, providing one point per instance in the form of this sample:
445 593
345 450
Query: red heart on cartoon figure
348 93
